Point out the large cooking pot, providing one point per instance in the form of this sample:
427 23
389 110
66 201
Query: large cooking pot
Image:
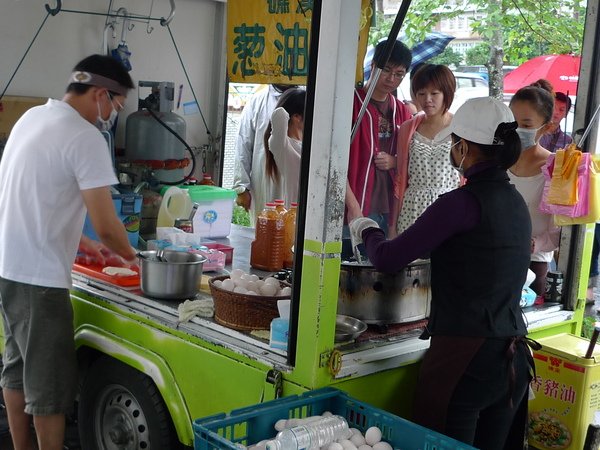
173 277
383 298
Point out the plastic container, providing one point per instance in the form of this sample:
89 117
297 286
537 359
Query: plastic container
176 204
278 337
280 206
215 210
289 235
129 208
266 250
566 393
247 426
207 180
311 435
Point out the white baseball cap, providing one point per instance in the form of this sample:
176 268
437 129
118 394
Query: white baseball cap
477 120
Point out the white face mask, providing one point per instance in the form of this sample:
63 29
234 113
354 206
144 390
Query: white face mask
458 168
527 136
106 125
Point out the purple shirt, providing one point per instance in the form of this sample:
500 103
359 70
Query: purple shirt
556 140
454 212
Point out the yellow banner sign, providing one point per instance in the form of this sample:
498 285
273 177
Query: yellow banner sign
268 40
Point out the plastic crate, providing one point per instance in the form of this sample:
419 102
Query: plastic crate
250 425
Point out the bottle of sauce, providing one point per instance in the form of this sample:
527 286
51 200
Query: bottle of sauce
266 251
289 235
207 180
280 206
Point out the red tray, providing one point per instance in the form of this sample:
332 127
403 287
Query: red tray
131 281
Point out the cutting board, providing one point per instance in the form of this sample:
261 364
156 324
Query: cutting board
95 271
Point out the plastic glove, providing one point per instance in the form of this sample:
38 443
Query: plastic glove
357 226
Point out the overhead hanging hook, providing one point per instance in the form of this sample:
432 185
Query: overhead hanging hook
54 11
164 22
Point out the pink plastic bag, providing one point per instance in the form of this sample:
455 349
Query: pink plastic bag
579 209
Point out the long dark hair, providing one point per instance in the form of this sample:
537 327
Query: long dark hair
292 101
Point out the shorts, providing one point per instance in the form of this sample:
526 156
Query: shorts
39 354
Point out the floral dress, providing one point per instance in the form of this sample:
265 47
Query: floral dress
429 175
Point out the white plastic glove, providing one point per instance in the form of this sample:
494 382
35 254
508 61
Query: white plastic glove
357 226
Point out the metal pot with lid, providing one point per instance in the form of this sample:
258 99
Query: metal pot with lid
385 298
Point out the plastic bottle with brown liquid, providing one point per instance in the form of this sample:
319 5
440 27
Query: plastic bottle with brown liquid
280 206
207 180
289 235
266 251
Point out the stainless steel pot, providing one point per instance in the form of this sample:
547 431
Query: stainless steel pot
382 298
175 277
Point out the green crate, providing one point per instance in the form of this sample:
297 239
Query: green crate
250 425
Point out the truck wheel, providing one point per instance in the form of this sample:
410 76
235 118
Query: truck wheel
121 409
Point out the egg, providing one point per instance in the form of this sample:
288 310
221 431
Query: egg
382 446
268 289
218 283
254 277
348 445
355 431
240 282
373 435
365 447
271 280
236 273
259 283
280 424
285 292
240 290
250 292
228 284
252 286
335 446
358 440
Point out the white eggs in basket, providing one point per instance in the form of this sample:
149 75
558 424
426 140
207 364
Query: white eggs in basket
241 282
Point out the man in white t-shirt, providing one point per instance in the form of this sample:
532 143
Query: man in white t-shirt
55 166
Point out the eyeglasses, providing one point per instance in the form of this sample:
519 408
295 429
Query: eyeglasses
112 99
389 73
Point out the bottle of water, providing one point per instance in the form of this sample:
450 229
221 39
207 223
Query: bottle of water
311 435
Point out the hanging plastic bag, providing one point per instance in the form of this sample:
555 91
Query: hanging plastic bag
563 186
581 207
593 192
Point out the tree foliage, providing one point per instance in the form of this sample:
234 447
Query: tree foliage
478 55
447 58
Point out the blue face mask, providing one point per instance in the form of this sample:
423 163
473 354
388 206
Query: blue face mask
106 125
528 136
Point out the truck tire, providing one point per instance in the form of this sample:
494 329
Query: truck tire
120 408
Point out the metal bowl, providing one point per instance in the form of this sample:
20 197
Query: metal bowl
348 328
174 278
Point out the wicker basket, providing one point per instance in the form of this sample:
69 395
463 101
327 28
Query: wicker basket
242 311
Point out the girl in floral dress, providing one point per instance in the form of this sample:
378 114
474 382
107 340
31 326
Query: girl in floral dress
424 169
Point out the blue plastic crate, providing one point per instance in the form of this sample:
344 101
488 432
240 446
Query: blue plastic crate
250 425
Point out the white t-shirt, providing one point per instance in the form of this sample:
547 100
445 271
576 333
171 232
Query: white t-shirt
51 155
286 152
545 234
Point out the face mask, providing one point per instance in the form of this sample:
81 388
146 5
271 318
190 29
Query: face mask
527 136
106 125
458 168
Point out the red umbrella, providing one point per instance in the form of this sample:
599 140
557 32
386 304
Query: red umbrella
560 70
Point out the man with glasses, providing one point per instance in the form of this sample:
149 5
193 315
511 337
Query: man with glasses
372 162
55 165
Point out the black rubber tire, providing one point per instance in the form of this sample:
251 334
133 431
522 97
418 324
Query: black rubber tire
120 408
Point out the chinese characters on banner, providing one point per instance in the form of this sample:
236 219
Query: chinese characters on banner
268 40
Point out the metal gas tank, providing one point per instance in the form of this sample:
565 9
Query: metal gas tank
383 298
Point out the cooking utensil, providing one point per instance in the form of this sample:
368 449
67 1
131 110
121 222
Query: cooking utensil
348 328
175 278
384 298
160 255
